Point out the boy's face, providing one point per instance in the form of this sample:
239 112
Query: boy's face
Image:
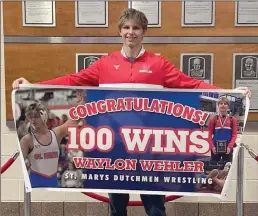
223 106
35 118
132 34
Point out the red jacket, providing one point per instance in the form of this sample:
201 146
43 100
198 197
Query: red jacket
222 128
148 70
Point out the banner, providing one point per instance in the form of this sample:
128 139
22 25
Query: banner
171 142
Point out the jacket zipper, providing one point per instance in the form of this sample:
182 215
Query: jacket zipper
131 71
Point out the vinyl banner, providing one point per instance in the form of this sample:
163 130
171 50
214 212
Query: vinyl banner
171 142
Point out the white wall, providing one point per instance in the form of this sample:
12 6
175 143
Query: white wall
12 183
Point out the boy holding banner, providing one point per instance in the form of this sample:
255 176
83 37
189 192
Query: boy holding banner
132 67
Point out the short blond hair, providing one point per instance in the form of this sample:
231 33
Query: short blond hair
133 14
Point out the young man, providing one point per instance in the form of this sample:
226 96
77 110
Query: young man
41 146
222 132
132 67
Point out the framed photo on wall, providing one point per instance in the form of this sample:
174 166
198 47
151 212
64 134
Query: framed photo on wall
84 60
198 13
152 10
198 66
91 13
39 13
246 13
245 73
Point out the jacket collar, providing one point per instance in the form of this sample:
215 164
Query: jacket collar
142 51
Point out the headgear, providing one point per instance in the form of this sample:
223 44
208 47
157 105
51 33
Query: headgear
39 108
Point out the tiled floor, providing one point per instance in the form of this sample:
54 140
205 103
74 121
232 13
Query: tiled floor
101 209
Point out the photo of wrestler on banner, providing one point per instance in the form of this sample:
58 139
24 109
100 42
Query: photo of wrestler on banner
42 131
225 127
157 142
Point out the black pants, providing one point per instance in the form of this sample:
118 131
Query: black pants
225 157
154 205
